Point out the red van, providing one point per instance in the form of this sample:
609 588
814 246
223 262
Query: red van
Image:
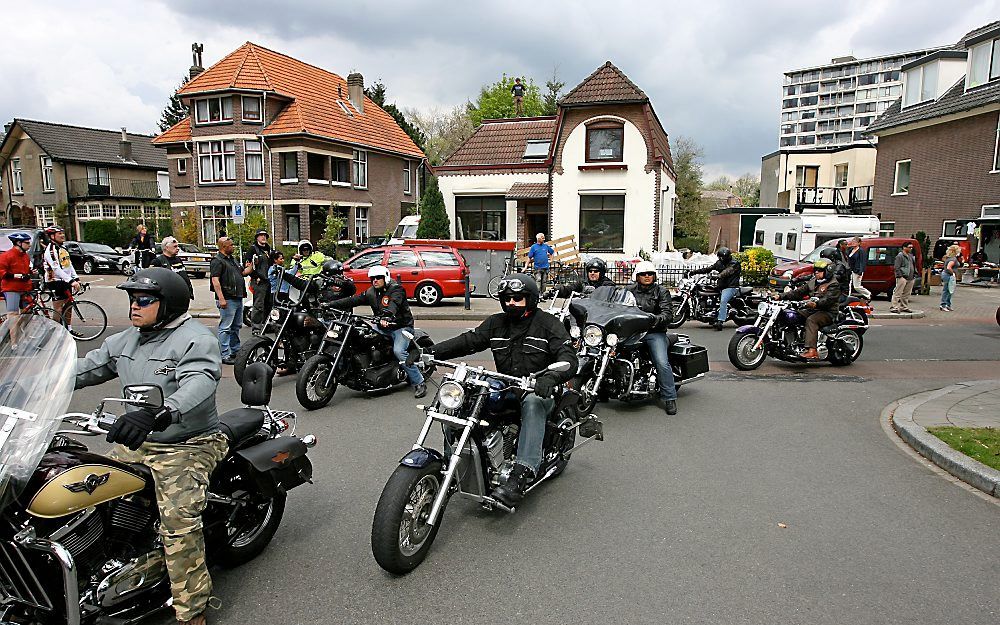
428 273
880 275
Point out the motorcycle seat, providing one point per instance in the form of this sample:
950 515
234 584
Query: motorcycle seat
145 472
241 424
746 290
709 289
672 338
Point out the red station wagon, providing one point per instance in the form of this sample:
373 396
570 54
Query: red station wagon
428 273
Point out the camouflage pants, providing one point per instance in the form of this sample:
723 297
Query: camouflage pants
180 474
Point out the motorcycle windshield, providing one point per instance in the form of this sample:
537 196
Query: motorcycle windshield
36 383
607 308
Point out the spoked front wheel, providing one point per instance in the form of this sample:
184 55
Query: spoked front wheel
744 353
401 536
493 288
87 319
311 388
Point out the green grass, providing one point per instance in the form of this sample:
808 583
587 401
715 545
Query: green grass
982 444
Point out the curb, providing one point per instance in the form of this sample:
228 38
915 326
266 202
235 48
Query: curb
973 472
917 314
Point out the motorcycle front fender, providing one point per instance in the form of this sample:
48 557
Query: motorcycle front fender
421 457
748 330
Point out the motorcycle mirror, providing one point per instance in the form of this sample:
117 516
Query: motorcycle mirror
149 395
562 365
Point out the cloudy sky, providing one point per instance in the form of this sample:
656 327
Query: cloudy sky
712 68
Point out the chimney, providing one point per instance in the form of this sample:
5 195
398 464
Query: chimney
125 147
196 67
356 91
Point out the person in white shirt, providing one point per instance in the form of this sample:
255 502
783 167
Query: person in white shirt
60 275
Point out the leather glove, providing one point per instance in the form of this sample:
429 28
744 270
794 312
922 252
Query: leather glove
132 428
545 386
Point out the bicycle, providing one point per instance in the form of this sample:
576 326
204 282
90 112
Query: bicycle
493 288
88 318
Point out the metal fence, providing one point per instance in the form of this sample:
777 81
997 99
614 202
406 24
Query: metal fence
621 274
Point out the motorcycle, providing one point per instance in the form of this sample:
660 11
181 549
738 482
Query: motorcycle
851 306
614 362
478 410
779 333
352 352
78 530
697 298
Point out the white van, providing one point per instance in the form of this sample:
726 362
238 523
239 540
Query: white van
406 229
791 237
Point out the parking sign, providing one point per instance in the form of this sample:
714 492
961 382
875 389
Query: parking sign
238 214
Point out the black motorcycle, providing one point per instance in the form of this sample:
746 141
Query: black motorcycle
78 530
779 332
614 362
478 411
355 353
697 298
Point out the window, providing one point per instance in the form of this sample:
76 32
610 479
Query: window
406 177
604 141
340 171
777 238
45 216
790 241
360 224
15 175
481 218
316 168
182 167
995 67
48 182
253 157
217 161
251 109
214 110
882 255
214 220
367 260
901 184
98 176
403 258
996 151
921 84
979 64
840 177
887 229
361 169
292 227
537 148
439 259
289 167
758 237
602 222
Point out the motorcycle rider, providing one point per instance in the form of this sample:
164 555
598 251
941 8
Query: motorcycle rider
728 281
826 288
387 300
839 268
309 258
597 276
179 442
261 258
654 299
524 340
331 285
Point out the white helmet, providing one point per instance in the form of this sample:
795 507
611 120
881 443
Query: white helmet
643 266
305 243
378 271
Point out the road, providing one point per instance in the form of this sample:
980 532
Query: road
671 519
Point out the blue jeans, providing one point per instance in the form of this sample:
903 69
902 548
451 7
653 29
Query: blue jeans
230 322
534 412
659 351
401 348
727 294
946 289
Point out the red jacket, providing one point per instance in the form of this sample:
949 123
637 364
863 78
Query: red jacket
15 261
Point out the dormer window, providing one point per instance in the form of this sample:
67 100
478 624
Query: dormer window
537 148
251 109
214 110
921 84
605 140
984 63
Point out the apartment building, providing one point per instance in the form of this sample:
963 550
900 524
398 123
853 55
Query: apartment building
294 140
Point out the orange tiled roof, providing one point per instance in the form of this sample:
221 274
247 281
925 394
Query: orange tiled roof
313 109
502 142
606 84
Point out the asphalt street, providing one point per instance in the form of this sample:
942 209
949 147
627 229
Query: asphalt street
774 497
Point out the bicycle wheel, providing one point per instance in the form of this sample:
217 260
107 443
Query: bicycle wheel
494 287
88 319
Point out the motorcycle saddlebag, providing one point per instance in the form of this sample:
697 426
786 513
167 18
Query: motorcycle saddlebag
692 359
280 463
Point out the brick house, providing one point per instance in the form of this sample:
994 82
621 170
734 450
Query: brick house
938 167
99 174
296 140
600 170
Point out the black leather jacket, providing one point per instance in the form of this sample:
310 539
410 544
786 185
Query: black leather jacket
729 273
388 302
654 299
578 287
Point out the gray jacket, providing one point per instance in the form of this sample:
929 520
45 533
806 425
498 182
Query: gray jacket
183 359
905 265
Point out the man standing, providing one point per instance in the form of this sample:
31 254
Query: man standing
906 272
261 259
857 260
538 257
142 243
229 290
518 92
169 259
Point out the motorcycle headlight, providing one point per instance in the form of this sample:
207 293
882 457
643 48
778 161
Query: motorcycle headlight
274 315
612 339
574 332
762 308
593 336
787 274
451 395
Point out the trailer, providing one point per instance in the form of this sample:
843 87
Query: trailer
790 237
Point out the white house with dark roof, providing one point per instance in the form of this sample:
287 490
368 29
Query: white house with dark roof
599 170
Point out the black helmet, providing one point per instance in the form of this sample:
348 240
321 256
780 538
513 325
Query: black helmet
260 232
168 286
598 264
724 254
332 268
519 284
830 253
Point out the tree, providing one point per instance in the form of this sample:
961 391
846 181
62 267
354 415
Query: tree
445 131
747 187
554 86
496 102
243 234
175 110
187 228
377 94
434 222
691 220
330 243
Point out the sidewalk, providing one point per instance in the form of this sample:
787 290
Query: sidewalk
973 404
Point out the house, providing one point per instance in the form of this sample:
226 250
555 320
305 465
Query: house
98 174
837 179
599 170
734 226
938 166
292 139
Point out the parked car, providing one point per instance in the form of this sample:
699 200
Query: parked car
372 242
428 273
90 258
196 260
879 275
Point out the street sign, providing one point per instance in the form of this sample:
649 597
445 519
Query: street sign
238 215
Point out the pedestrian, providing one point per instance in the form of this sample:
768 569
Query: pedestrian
229 289
279 286
905 267
857 260
142 243
518 92
952 261
170 259
260 264
538 258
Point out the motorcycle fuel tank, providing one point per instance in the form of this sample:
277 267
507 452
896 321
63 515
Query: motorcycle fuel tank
67 481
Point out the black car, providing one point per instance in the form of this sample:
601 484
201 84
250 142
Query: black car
93 257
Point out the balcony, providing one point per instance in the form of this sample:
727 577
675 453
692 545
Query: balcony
114 188
842 200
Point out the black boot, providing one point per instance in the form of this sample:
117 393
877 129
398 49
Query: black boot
717 325
670 405
511 492
420 390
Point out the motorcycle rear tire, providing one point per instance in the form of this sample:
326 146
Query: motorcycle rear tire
680 316
838 358
389 513
253 350
308 381
735 357
243 550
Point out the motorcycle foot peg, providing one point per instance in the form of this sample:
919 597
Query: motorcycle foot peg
591 427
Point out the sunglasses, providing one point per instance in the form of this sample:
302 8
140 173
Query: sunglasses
517 299
377 278
647 274
143 300
593 271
